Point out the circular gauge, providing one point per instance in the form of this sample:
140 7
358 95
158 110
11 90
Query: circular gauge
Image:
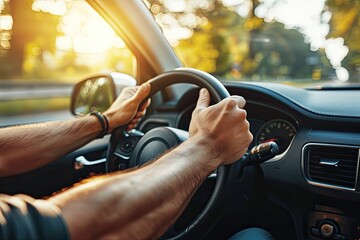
279 131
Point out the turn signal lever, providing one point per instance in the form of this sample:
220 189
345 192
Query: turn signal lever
260 154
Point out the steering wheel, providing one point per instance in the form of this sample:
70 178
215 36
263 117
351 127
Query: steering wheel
133 148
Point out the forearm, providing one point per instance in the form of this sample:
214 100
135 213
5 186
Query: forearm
137 205
28 147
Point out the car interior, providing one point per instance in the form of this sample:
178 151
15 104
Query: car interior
309 189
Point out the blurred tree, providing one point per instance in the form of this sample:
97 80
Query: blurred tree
253 25
42 26
281 53
208 48
345 23
5 36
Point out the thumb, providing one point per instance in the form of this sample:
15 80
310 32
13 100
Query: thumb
204 99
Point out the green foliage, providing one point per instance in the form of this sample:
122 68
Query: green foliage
237 47
345 23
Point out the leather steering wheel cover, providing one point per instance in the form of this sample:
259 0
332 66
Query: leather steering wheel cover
188 75
213 208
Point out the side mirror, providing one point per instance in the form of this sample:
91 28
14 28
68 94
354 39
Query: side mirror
98 92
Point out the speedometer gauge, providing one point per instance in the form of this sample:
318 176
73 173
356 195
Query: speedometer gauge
280 131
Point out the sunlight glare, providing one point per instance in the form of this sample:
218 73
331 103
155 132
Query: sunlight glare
173 35
310 19
175 5
54 7
119 43
6 22
85 32
243 9
342 74
304 15
63 43
190 20
336 51
229 3
2 5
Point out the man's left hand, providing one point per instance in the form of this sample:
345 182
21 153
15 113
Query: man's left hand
126 110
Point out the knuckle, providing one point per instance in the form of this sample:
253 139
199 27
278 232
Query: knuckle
245 113
242 114
251 137
247 124
196 111
242 99
238 98
230 103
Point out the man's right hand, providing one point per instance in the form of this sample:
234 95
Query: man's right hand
223 125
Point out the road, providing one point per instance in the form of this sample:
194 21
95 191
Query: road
25 91
21 92
33 118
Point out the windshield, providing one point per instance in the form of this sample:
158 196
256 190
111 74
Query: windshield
299 42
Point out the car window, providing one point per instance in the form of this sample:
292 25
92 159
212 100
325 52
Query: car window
46 47
302 43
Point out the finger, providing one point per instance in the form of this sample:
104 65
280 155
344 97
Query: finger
241 102
145 105
135 121
130 127
128 92
131 124
142 92
137 117
204 99
140 114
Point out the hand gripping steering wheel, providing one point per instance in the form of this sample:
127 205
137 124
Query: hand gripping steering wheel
133 149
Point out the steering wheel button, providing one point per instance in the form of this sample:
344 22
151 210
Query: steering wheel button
327 230
127 147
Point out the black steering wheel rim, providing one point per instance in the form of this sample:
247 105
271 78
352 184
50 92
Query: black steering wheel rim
213 209
192 76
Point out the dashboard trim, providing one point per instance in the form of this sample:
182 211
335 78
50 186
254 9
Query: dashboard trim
304 98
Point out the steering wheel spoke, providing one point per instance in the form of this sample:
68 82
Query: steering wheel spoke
121 148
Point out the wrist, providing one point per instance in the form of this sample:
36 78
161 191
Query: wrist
104 123
111 119
207 145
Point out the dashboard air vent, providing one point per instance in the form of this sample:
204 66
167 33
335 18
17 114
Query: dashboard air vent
331 165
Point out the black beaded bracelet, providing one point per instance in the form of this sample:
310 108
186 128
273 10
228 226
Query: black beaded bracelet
104 123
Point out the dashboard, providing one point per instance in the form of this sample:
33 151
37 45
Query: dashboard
314 178
266 124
